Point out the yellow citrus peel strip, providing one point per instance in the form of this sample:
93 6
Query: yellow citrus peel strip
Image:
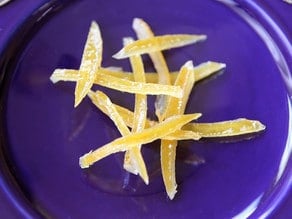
148 135
175 106
228 128
201 72
133 161
103 102
91 61
143 31
123 118
120 84
158 43
128 115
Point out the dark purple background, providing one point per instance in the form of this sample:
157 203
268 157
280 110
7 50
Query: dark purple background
8 26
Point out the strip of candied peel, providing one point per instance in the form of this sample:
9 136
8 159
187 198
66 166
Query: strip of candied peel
201 72
180 135
158 43
185 80
205 69
122 116
127 142
143 31
175 106
133 161
128 115
91 61
103 102
228 128
120 84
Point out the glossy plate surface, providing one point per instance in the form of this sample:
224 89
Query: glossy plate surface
42 135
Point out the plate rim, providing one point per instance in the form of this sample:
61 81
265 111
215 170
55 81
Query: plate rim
14 30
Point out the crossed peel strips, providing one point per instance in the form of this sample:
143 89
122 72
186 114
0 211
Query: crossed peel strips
172 89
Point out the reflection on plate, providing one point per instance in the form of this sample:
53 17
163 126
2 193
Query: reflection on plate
44 135
4 2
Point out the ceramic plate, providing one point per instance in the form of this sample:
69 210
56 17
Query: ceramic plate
43 135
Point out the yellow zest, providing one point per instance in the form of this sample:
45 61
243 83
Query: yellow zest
175 106
128 115
103 102
133 161
123 118
158 43
148 135
201 72
229 128
120 84
90 63
143 31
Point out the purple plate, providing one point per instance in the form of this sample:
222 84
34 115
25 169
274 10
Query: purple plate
43 135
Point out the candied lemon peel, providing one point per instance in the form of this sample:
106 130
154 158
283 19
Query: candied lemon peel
200 72
158 43
133 161
172 89
91 61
